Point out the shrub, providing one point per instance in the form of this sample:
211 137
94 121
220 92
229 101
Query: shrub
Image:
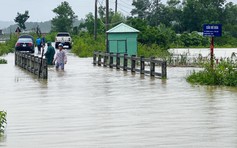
152 50
224 73
3 61
8 47
51 37
84 45
3 121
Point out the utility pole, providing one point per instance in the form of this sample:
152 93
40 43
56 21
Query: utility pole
116 6
95 21
107 25
157 11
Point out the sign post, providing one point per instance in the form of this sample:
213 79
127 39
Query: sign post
212 51
212 30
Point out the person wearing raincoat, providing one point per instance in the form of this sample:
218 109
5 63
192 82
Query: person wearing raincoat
50 53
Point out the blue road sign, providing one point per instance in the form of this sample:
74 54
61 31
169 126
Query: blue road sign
212 30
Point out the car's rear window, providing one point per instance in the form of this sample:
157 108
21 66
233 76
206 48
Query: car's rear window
24 40
63 34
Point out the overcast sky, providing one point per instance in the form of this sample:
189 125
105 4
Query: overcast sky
41 10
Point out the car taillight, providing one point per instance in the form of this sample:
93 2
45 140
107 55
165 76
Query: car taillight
18 44
30 44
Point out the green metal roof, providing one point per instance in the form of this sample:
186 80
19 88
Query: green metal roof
123 28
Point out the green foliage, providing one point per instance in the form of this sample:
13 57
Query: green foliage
152 50
3 61
161 27
141 8
161 35
89 24
51 36
224 73
21 19
114 19
84 45
3 121
193 40
8 47
63 22
226 41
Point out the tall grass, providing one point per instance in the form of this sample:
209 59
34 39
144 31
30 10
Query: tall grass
224 73
3 121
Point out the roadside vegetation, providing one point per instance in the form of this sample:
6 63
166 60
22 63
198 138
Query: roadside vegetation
84 45
223 73
3 121
8 47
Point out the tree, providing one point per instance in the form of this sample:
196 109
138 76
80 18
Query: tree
64 19
141 8
230 21
198 12
117 18
21 19
89 24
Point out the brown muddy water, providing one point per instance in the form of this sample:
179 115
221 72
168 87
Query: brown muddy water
96 107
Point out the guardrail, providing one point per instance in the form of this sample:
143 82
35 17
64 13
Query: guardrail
31 63
126 63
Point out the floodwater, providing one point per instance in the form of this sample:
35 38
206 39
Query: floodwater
95 107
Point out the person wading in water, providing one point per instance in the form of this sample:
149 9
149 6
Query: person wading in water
50 53
60 57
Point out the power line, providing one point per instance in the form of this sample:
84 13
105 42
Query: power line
124 11
127 7
125 2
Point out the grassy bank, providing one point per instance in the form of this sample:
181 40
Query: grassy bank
224 74
2 121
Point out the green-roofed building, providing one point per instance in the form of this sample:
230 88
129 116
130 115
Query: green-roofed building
123 39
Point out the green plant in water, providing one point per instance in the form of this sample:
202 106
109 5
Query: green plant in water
3 121
3 61
224 73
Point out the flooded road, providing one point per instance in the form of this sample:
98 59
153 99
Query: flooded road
91 107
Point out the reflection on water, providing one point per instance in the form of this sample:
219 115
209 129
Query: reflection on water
88 106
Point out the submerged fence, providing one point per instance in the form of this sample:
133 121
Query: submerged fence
31 63
133 63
